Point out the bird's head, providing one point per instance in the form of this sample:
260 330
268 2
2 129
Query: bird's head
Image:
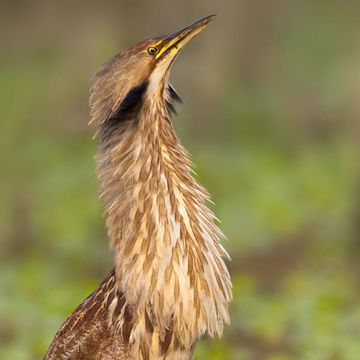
141 69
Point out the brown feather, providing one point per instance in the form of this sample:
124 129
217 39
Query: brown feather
170 284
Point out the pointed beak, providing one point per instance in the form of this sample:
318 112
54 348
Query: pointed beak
175 42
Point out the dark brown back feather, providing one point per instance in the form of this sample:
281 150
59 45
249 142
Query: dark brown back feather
86 333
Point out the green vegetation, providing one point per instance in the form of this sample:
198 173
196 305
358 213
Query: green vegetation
272 119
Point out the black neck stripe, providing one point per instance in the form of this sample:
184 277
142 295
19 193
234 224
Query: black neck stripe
127 110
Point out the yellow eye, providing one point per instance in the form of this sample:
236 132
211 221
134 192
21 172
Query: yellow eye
152 50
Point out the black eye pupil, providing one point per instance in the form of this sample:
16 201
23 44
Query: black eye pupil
152 50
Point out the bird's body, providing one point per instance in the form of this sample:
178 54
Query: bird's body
170 284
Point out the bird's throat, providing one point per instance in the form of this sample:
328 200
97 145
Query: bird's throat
168 258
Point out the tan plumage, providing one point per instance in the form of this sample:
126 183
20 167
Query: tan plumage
170 284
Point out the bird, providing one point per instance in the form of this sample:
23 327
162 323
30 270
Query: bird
170 284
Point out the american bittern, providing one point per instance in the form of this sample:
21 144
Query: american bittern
170 284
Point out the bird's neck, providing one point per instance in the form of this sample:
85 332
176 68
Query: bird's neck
168 258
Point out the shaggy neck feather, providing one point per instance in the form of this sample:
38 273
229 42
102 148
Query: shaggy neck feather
168 258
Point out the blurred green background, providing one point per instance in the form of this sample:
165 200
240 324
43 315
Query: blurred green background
271 115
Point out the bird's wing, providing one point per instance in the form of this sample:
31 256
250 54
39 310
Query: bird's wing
100 327
86 333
